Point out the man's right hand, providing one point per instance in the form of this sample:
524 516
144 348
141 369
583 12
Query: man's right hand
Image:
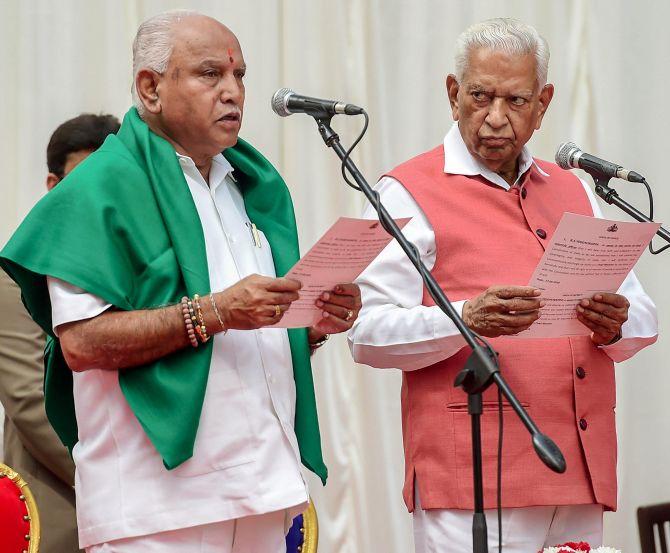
251 303
503 310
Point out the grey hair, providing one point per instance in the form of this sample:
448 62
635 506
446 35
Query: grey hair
507 35
153 46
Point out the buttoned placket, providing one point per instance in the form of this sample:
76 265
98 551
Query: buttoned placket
239 241
271 381
241 247
212 188
235 234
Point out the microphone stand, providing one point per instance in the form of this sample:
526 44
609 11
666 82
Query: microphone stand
481 368
611 197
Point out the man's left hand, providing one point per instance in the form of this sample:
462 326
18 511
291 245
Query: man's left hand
339 309
604 314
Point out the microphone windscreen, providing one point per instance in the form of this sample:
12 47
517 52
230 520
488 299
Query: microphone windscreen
278 102
565 153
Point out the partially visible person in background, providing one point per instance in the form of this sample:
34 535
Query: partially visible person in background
74 140
31 446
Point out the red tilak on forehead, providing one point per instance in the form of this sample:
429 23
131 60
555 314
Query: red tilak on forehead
230 55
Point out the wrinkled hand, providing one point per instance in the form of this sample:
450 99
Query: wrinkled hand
339 309
251 302
604 314
503 310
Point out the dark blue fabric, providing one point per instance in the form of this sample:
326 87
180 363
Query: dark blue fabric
295 537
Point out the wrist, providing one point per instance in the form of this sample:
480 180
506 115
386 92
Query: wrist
316 339
213 314
218 311
599 339
614 340
465 313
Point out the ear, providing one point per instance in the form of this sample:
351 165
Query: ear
146 84
452 91
546 95
52 180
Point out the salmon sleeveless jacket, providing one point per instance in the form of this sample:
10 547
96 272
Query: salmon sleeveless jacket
485 236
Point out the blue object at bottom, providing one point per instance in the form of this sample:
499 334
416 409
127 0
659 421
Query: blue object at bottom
295 538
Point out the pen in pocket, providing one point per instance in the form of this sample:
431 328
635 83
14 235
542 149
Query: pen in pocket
255 237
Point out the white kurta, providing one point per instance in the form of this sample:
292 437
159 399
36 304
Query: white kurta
246 458
394 329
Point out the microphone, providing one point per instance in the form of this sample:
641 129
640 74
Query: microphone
286 102
570 155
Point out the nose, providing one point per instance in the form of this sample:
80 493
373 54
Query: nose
232 90
496 117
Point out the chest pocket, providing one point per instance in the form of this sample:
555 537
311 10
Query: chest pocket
264 259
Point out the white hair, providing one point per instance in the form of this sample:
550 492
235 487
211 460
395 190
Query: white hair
507 35
153 46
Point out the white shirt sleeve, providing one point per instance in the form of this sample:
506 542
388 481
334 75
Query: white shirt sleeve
641 328
394 329
70 303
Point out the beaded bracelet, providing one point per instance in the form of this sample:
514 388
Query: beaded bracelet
186 310
200 328
191 311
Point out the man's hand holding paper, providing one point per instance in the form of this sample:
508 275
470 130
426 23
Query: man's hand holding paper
503 310
603 314
339 310
328 303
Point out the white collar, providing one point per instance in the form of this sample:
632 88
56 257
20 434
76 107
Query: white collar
459 161
220 170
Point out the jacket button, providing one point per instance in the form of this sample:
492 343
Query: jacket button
581 373
583 424
524 193
541 233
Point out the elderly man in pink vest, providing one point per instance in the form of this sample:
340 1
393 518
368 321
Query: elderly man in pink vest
483 212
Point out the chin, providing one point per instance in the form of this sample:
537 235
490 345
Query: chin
230 144
493 157
227 142
496 154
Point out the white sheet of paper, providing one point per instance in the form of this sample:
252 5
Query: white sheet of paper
342 253
585 256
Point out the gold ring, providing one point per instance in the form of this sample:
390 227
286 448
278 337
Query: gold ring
277 310
349 316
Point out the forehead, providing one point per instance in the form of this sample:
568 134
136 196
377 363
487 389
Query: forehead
498 70
197 38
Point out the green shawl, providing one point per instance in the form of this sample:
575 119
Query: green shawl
123 226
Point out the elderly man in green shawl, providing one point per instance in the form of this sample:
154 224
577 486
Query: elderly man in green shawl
153 268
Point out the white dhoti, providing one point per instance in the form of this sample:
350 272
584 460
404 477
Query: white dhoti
525 529
254 534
